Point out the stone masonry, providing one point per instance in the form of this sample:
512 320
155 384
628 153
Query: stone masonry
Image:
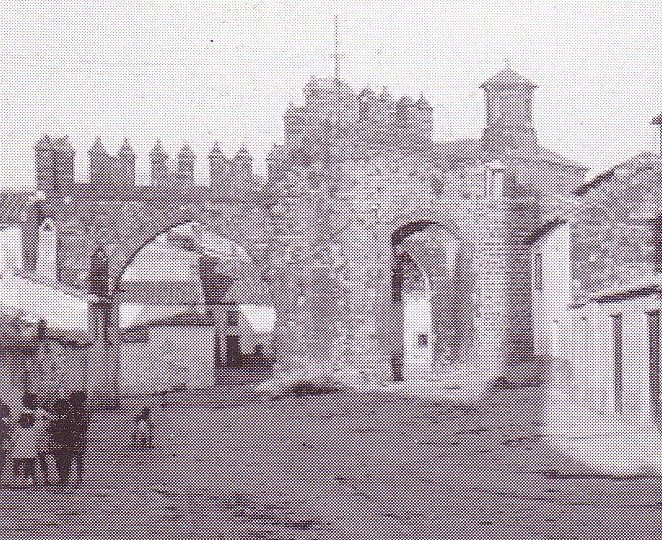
358 184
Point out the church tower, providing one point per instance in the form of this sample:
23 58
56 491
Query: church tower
509 112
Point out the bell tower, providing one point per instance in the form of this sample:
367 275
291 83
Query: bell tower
508 112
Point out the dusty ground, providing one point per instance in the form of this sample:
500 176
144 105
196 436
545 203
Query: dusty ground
336 466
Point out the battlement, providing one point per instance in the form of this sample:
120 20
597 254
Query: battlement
111 176
334 119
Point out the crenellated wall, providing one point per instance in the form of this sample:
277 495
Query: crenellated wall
114 176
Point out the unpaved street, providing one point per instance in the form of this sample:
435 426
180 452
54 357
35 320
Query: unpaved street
343 466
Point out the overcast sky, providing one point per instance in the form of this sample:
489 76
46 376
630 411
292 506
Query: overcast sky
200 71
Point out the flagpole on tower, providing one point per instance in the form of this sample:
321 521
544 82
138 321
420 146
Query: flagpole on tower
336 67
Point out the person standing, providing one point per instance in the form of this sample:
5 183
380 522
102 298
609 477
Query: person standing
143 430
60 431
31 406
78 427
5 437
24 451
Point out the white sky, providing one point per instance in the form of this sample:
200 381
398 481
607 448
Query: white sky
199 71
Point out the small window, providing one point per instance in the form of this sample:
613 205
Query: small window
537 271
233 318
422 341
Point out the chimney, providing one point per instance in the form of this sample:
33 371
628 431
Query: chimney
125 164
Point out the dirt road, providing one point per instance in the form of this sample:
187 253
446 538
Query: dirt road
342 466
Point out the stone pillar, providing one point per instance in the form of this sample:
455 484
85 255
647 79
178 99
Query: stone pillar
30 234
104 355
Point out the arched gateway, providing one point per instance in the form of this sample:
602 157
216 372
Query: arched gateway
377 223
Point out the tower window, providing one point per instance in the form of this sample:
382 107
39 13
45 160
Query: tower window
422 341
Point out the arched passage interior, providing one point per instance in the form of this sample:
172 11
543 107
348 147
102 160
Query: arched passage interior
431 297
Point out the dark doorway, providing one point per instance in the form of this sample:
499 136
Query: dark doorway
654 364
232 351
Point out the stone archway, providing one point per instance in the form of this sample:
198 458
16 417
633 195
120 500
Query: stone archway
431 298
223 276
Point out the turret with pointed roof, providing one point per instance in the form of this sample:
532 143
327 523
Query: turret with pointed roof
186 165
509 112
159 169
100 163
423 103
45 165
218 168
385 96
125 164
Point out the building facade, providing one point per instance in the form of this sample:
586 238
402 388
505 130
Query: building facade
596 291
359 200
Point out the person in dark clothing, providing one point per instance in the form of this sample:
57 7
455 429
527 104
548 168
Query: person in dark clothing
24 451
79 423
32 407
143 430
5 437
60 431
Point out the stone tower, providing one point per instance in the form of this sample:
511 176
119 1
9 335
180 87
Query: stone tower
63 161
509 115
218 168
242 165
54 164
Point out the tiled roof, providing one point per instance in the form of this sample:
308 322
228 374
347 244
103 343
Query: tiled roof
508 77
12 206
543 154
642 161
464 150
